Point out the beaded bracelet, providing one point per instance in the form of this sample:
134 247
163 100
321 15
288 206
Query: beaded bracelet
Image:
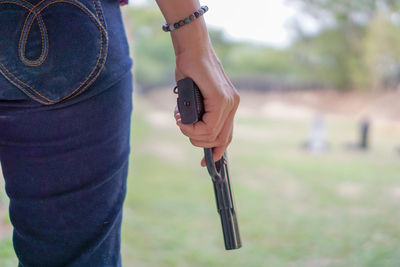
167 27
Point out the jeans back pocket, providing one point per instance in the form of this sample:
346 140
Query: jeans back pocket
52 50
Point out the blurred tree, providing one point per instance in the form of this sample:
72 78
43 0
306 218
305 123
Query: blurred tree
153 51
357 47
382 52
357 12
151 47
346 47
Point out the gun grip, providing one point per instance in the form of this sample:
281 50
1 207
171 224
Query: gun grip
190 101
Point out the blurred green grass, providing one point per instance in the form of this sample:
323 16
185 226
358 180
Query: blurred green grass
340 208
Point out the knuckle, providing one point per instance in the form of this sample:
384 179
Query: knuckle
224 141
213 137
230 139
208 145
201 144
219 140
228 102
194 142
236 99
214 131
184 131
210 130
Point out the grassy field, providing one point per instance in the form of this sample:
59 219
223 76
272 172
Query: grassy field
295 208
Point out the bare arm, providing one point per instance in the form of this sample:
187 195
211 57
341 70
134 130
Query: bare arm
196 58
185 37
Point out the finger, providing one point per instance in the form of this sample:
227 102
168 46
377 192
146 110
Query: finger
177 115
218 124
201 138
208 140
203 162
218 152
217 155
224 139
197 130
211 126
211 122
225 136
226 113
204 144
201 130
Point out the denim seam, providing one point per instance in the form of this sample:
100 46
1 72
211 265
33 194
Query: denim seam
43 34
82 86
16 82
96 65
97 7
70 96
99 55
110 85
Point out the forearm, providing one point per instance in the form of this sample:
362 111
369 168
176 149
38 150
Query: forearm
196 59
192 37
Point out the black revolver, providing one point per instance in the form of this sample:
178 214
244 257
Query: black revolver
191 109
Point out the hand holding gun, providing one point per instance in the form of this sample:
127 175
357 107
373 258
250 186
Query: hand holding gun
191 109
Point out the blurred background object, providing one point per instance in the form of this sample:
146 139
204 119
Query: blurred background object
290 60
363 142
317 142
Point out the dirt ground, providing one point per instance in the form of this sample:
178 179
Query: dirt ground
375 106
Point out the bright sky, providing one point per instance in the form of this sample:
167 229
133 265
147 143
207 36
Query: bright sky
257 20
264 21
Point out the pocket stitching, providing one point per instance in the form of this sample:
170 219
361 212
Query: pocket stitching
102 34
97 6
25 60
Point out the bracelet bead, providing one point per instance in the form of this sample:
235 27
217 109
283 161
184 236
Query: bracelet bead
170 27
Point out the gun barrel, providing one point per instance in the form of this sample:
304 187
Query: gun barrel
224 199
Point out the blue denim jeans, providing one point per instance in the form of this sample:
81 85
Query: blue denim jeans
65 117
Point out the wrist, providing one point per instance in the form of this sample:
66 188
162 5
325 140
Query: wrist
196 57
192 38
